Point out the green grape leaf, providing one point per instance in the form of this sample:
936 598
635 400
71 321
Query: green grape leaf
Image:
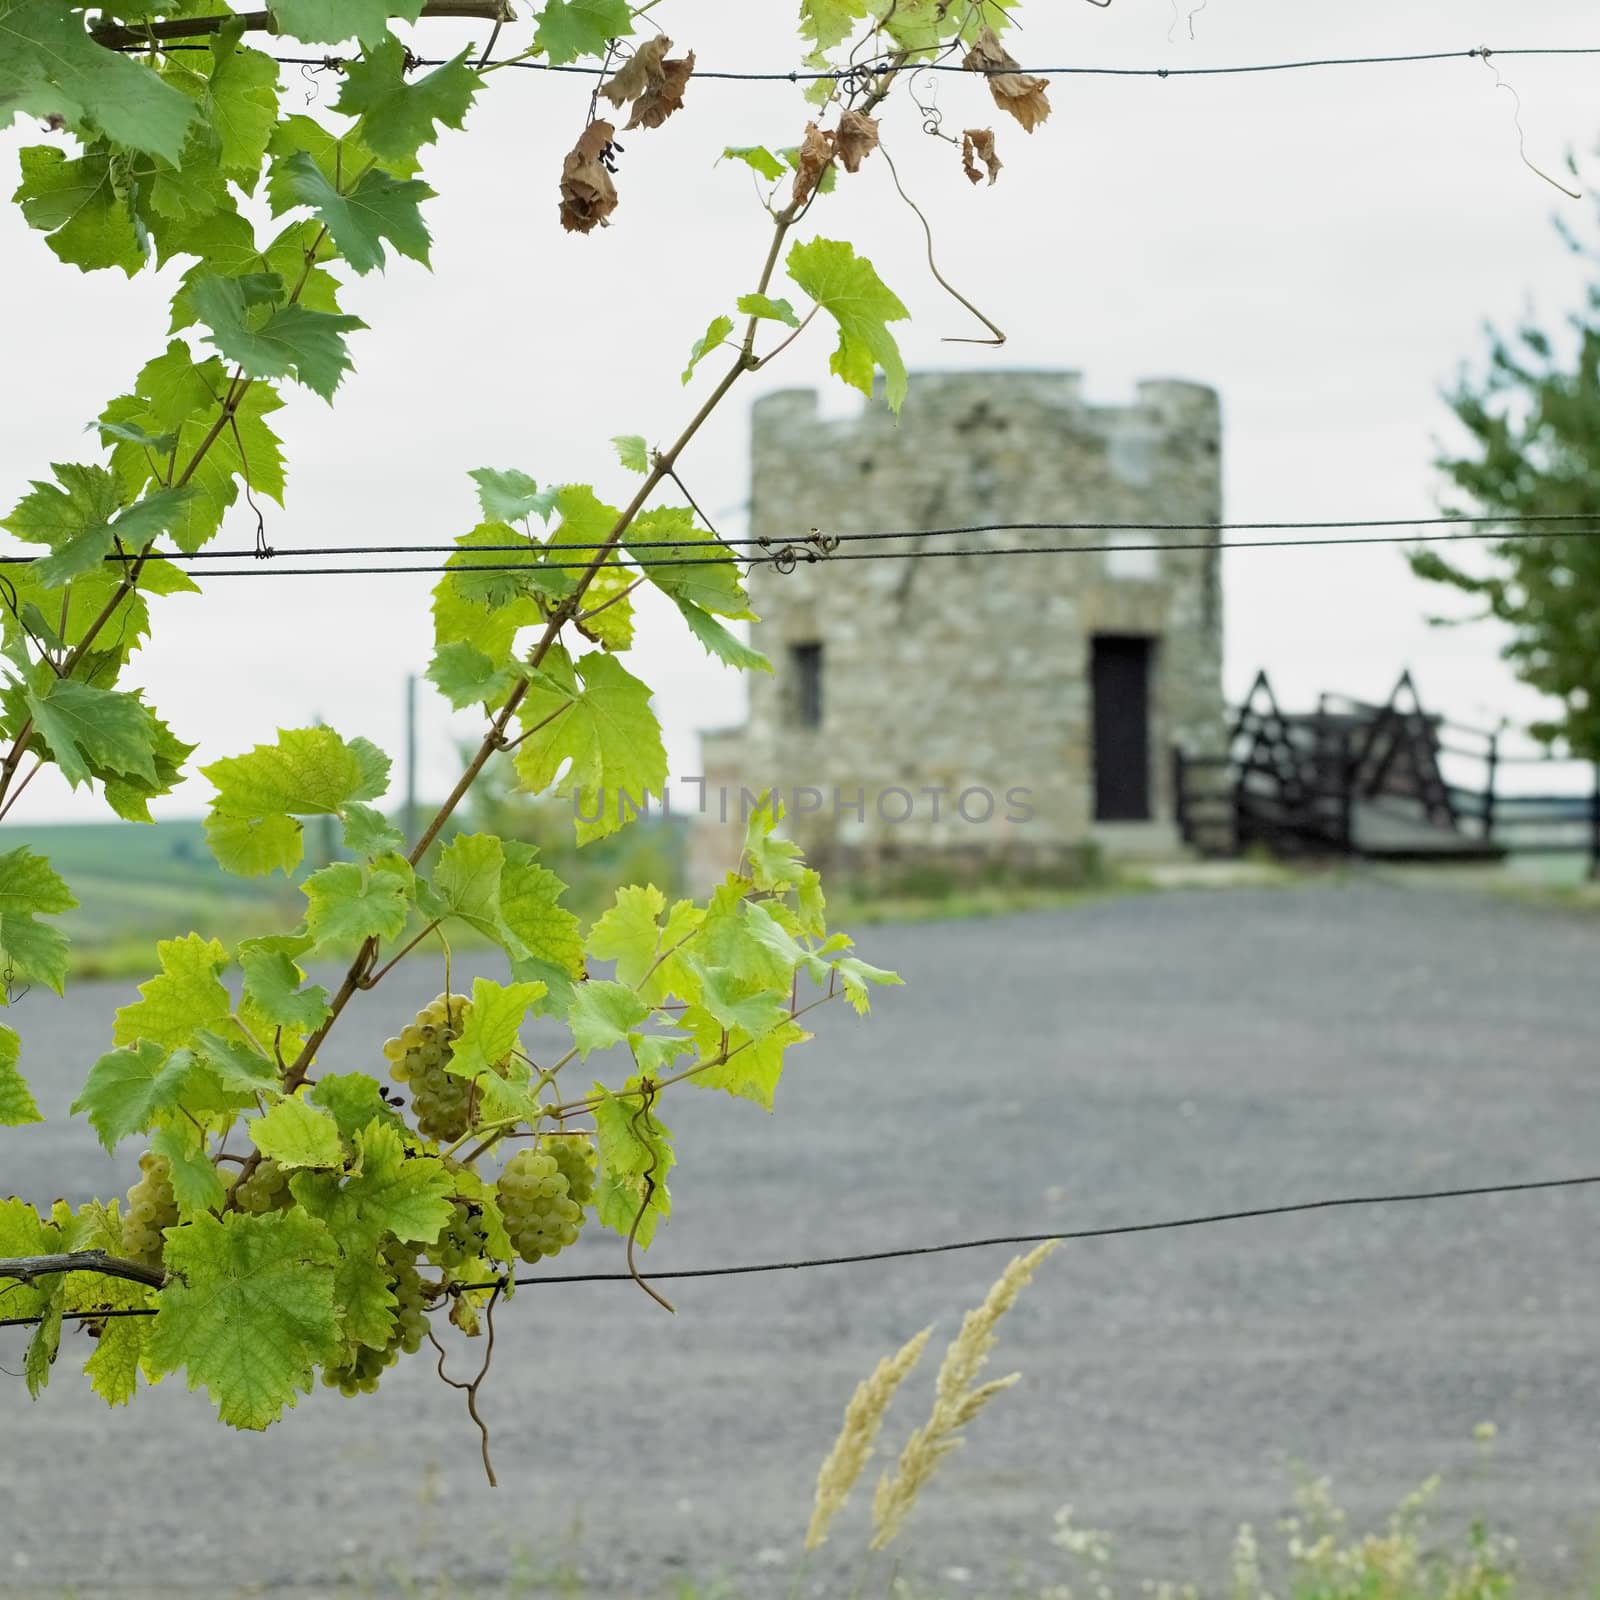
494 565
23 1232
606 730
351 902
17 1105
250 1311
76 205
632 451
760 305
196 1184
848 288
493 630
855 975
240 103
511 495
289 341
252 847
352 1100
774 863
826 23
177 396
52 68
30 951
602 1015
753 1066
653 1052
465 676
46 1340
113 1368
333 21
489 1033
530 907
399 116
720 642
629 932
635 1154
236 1065
709 576
130 796
758 158
187 995
92 731
81 521
572 28
368 833
586 522
308 772
386 1191
718 330
128 1089
295 1133
466 885
379 207
740 1006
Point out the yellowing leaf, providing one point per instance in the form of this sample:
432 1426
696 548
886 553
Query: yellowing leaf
296 1134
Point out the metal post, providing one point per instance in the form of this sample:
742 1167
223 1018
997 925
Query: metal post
1488 793
409 821
1180 807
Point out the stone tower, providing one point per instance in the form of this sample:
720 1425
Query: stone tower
973 709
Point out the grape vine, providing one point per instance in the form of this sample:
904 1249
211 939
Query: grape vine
356 1209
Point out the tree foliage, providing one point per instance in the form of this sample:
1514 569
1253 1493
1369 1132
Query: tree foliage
288 1221
1533 418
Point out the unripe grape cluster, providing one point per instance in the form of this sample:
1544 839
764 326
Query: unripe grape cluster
360 1374
442 1102
151 1207
542 1192
462 1239
265 1189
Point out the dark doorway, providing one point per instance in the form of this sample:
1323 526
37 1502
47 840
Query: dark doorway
806 688
1120 677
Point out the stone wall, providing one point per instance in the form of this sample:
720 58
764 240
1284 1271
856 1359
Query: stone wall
964 674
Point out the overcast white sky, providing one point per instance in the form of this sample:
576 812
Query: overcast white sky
1321 246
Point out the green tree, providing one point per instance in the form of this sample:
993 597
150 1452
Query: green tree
1533 418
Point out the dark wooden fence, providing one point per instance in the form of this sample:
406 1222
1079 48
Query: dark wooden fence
1392 781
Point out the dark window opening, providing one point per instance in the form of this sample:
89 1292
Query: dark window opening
805 660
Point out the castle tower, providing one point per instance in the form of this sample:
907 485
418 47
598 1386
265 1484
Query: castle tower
981 710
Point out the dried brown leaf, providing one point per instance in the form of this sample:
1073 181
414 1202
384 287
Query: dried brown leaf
640 72
977 144
816 151
660 100
855 140
588 196
1020 94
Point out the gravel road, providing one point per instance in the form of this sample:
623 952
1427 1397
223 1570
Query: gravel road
1136 1059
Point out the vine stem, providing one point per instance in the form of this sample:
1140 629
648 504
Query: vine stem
115 38
27 1268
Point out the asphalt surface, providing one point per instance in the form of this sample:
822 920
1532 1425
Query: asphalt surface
1132 1060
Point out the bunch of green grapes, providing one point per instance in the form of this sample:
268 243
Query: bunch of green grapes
365 1366
574 1154
462 1239
442 1102
542 1212
265 1189
151 1207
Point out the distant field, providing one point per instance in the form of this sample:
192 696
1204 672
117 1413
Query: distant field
135 883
